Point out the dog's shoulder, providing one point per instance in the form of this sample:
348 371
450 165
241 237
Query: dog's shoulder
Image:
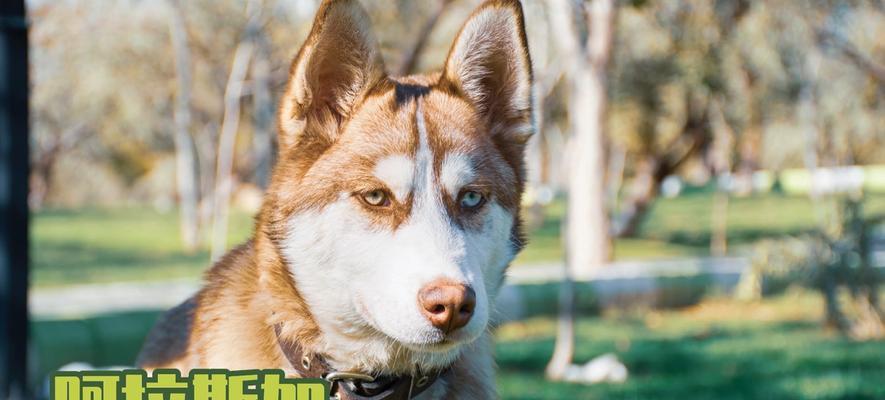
170 342
167 343
238 262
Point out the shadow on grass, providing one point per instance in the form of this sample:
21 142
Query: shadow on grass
737 236
105 340
780 361
62 262
698 237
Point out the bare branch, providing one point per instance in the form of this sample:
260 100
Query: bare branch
854 55
414 54
187 178
230 124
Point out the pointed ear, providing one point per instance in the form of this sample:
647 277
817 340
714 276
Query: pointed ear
338 63
489 64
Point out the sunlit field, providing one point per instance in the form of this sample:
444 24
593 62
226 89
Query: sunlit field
127 244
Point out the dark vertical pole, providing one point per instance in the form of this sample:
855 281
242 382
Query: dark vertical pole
13 200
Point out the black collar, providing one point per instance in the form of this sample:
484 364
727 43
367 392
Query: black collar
352 385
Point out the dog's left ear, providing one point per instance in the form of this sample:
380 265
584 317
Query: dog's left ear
489 64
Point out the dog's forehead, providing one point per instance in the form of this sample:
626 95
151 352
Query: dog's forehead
380 128
429 143
389 129
424 150
452 124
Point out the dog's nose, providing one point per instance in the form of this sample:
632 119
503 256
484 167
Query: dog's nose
446 304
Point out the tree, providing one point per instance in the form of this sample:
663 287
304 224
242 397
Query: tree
186 166
45 154
852 54
263 115
230 124
587 242
684 80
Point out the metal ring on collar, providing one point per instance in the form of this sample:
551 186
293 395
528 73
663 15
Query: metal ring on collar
344 375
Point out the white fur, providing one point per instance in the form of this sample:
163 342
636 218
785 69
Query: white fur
425 155
397 172
361 282
456 172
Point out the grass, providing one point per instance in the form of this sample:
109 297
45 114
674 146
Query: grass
681 226
545 245
719 349
84 246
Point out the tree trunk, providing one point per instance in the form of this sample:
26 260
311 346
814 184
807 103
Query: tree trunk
564 349
807 115
186 168
207 149
833 317
262 138
44 158
871 320
719 224
751 137
587 241
658 165
587 236
227 138
643 191
617 161
537 156
719 159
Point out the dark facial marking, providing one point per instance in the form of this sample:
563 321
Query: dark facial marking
406 92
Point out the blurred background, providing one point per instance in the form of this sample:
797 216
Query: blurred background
715 170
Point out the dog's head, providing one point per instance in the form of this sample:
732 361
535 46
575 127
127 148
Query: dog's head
396 201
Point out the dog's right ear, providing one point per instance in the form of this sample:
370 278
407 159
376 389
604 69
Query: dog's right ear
338 63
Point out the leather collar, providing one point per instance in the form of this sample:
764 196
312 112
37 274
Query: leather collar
352 385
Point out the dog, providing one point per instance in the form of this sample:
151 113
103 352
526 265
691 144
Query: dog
392 214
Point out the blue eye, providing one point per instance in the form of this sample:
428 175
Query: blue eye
471 199
376 198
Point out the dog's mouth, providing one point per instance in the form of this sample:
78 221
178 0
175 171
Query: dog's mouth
443 346
435 342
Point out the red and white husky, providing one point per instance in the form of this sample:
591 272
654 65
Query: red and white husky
392 214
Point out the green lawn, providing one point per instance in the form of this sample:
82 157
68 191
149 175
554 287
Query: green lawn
140 244
719 349
680 226
86 246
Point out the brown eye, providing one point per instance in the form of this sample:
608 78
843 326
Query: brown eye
375 198
471 199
